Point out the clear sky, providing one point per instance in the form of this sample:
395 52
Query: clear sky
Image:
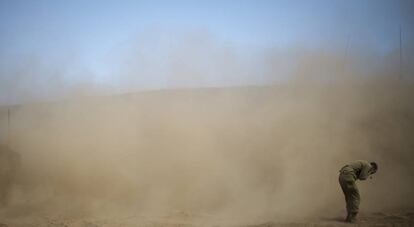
92 40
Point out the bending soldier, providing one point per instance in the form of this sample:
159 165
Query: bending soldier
357 170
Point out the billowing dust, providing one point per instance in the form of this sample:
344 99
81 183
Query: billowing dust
246 152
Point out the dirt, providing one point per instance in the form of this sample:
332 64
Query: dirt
186 219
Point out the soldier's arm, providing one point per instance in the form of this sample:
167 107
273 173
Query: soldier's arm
365 171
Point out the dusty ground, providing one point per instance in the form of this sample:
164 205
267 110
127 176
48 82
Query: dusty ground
176 219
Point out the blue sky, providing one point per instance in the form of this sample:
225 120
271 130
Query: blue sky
98 25
89 39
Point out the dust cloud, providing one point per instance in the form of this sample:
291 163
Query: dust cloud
247 152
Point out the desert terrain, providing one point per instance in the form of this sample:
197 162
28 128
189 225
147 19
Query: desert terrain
236 156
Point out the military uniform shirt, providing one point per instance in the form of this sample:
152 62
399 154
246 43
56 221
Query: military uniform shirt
359 169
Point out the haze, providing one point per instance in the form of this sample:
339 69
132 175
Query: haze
236 112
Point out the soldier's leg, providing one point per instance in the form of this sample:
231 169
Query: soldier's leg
353 203
355 199
343 187
344 181
351 193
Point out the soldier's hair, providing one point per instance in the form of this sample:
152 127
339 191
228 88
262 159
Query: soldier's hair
374 166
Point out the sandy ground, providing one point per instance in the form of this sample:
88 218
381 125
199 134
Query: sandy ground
176 219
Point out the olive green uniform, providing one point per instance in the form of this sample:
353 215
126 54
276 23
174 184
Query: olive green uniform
348 175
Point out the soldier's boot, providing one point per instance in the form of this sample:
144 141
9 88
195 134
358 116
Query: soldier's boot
351 217
347 217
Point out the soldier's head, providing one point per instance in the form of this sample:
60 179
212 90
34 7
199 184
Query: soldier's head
374 167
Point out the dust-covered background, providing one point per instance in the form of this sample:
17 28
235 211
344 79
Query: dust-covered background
247 152
237 113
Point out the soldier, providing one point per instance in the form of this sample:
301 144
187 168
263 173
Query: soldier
357 170
9 164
